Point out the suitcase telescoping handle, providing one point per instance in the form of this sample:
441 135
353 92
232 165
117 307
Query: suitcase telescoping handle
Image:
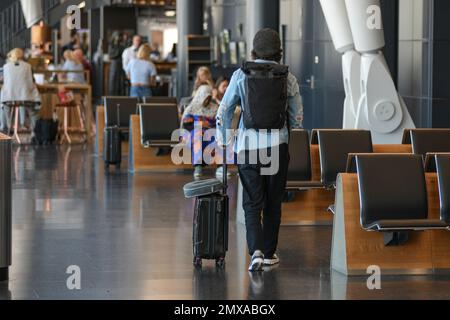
118 115
225 169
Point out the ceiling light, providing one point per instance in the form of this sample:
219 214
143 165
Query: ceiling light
170 13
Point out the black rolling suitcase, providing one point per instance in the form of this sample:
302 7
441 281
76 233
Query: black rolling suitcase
112 153
112 144
210 230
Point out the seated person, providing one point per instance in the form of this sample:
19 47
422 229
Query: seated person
18 85
220 89
74 68
202 111
203 77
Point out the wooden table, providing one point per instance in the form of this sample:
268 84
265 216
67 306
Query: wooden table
77 88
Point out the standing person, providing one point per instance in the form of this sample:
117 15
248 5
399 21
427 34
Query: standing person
262 191
74 43
142 73
79 57
19 86
131 52
172 56
74 68
115 52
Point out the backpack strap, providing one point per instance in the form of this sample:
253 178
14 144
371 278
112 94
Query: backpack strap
249 67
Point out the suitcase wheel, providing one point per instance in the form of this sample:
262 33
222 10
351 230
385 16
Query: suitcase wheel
220 263
197 262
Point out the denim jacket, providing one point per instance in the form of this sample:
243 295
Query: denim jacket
249 139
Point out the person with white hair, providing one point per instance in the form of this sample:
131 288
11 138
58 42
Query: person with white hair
18 85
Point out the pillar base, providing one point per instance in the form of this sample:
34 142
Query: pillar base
4 274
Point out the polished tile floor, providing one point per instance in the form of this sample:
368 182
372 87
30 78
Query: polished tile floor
131 238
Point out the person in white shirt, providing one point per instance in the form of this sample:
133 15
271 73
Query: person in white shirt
131 52
18 85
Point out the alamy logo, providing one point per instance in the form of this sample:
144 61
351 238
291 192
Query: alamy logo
205 147
74 21
374 281
374 21
74 280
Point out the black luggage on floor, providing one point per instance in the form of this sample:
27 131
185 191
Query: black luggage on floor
210 230
46 131
112 153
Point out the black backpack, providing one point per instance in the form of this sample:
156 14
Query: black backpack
266 95
46 131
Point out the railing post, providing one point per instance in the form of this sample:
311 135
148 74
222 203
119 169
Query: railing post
5 206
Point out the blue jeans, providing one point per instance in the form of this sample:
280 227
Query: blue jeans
140 92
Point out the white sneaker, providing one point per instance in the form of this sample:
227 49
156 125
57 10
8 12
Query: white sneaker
257 262
272 261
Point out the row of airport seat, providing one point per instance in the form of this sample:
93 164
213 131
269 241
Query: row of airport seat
337 147
159 117
393 194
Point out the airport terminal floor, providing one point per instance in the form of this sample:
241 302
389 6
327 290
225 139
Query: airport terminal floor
131 236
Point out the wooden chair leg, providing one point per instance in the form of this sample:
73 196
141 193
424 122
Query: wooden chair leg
12 111
80 118
16 125
66 126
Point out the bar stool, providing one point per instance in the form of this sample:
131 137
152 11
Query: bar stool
69 104
14 106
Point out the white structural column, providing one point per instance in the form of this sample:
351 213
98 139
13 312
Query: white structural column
381 109
372 101
189 22
260 14
336 16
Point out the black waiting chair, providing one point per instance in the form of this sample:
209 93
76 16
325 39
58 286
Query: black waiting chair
393 196
118 111
430 162
315 137
160 100
443 171
406 139
335 146
430 141
299 172
315 134
158 122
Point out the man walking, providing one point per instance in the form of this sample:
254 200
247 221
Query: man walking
271 104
